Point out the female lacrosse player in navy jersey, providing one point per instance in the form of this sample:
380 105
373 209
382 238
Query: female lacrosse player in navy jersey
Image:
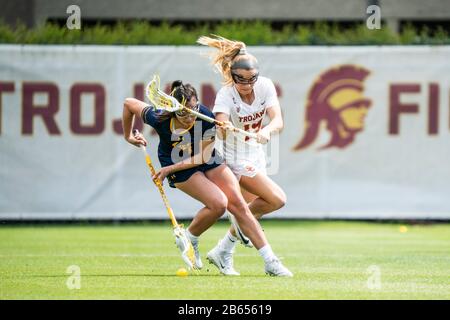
189 161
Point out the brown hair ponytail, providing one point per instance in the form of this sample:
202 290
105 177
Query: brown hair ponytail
228 52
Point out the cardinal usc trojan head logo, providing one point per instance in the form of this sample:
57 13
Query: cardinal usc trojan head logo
336 99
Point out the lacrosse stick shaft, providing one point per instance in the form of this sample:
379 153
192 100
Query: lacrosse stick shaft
160 188
220 123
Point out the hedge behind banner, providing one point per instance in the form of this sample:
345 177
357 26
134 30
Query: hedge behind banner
250 32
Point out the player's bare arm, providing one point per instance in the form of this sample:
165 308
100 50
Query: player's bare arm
227 125
132 107
275 125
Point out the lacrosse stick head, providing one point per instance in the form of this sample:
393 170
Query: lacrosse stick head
185 246
159 99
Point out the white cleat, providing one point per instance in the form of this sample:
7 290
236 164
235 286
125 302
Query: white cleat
223 261
239 234
198 261
275 268
184 244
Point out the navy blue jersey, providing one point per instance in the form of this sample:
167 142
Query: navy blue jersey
177 145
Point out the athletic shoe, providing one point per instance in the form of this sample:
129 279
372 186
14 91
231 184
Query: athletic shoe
184 244
239 234
275 268
222 260
198 261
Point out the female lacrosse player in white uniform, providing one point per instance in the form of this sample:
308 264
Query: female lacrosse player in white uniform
202 176
244 100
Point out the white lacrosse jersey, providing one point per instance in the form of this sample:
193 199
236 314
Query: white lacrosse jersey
245 155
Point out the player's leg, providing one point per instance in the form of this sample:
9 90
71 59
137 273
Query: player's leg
274 200
215 202
248 196
235 230
266 196
226 181
199 187
269 196
222 254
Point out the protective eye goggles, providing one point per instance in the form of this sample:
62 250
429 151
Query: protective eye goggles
241 80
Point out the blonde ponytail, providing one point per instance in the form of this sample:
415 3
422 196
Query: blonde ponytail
228 52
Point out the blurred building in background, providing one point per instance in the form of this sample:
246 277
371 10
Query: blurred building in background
345 12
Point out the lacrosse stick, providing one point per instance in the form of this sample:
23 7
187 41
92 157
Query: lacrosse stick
163 101
182 241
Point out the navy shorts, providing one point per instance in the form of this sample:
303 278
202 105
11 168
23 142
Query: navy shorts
184 175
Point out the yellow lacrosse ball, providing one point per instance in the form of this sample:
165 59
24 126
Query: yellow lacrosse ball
182 272
403 229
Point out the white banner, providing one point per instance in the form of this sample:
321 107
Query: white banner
366 130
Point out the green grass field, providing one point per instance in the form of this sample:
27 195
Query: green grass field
330 260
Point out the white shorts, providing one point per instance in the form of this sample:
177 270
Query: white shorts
248 168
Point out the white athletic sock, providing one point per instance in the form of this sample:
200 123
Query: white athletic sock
194 239
267 253
228 242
